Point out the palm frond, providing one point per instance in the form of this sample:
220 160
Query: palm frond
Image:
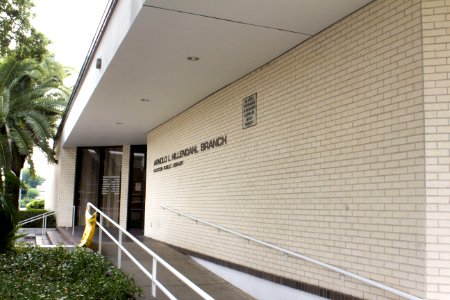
5 154
32 99
31 164
22 138
38 124
4 105
7 70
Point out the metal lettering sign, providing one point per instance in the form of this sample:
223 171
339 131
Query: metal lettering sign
167 162
249 111
111 184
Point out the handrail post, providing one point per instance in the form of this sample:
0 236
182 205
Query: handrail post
119 251
100 235
45 225
154 277
42 230
73 220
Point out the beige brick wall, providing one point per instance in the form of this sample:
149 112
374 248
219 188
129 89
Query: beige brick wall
334 169
125 173
64 184
436 54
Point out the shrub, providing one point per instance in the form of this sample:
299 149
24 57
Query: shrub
32 193
56 273
24 202
36 204
26 214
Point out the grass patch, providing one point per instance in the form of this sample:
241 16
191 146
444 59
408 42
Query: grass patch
56 273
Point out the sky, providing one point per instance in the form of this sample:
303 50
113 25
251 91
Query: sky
70 25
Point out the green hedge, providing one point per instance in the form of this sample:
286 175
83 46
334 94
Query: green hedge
36 204
55 273
26 214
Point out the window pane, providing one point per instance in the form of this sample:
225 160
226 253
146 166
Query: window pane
110 192
88 184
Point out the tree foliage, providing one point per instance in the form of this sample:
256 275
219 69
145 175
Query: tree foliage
17 36
32 193
29 191
31 181
32 99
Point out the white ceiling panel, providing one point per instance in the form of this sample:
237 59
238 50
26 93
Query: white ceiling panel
152 63
305 16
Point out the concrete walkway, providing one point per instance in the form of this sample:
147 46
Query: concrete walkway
212 284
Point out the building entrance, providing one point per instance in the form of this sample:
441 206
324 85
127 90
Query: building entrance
98 180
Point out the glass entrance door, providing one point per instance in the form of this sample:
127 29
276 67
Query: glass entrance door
110 191
136 197
88 170
98 180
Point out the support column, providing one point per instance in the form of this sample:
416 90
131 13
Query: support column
64 185
124 183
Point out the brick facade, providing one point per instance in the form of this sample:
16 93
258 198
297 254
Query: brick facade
349 162
334 168
436 64
65 184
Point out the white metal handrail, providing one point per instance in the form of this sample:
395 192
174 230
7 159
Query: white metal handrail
44 216
156 258
301 256
37 217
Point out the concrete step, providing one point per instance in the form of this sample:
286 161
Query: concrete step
56 238
42 240
66 234
51 238
30 235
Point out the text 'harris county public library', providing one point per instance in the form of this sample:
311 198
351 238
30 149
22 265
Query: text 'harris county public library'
213 143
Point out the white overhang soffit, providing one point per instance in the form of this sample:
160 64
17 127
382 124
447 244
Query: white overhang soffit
150 78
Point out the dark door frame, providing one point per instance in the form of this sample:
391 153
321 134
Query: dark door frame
136 149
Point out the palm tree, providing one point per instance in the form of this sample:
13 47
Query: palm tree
32 99
6 224
8 229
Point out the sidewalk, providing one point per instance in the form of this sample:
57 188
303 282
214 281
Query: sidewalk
215 286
